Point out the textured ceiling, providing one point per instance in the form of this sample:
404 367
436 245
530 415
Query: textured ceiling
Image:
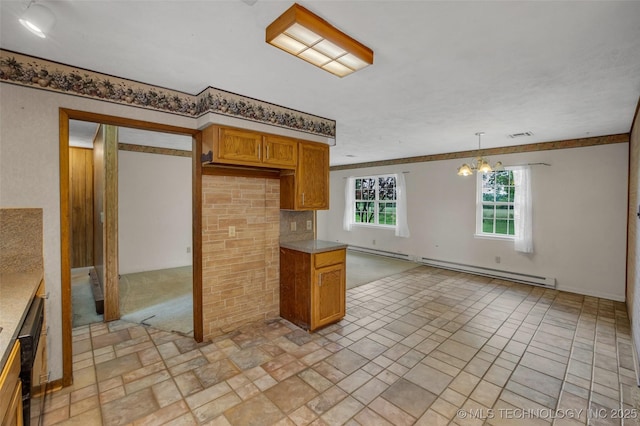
442 70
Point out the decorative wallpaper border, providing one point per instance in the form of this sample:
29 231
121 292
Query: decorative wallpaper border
24 70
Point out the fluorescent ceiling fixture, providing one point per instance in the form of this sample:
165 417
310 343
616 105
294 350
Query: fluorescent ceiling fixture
38 19
481 164
309 37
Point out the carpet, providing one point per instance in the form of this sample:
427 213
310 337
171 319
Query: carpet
161 299
364 268
83 306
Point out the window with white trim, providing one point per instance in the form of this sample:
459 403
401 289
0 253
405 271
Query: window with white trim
496 204
375 200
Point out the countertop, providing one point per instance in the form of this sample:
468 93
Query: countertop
16 293
313 246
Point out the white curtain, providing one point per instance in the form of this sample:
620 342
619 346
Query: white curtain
402 226
349 203
523 209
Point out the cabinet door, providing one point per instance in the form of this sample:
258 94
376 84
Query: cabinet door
312 179
280 151
329 293
239 147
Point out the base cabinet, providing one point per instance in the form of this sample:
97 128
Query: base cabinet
312 287
11 390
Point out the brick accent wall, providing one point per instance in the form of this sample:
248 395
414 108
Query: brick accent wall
240 274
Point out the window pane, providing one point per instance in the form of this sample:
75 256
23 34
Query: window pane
502 193
387 214
369 194
365 212
502 178
487 226
387 188
502 217
487 211
501 226
512 194
488 194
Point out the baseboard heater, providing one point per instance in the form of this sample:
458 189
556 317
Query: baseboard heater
379 252
548 282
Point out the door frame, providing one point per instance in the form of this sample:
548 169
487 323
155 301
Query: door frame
65 223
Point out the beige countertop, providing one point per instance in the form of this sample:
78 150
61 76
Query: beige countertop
17 290
313 246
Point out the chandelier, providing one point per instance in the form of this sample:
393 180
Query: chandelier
480 164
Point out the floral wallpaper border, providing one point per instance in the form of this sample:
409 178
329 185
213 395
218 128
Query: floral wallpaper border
24 70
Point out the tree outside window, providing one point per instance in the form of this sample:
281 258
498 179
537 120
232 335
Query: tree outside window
375 200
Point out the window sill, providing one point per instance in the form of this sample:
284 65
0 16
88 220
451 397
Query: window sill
495 237
371 225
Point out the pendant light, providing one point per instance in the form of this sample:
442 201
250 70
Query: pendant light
480 164
38 19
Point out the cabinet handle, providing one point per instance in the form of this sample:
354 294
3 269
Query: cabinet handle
303 198
259 151
267 152
320 282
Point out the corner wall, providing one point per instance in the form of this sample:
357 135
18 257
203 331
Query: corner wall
240 268
154 211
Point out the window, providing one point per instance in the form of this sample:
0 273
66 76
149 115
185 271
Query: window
496 204
375 200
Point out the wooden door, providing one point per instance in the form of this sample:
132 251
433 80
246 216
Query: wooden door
279 151
313 176
81 182
239 146
328 295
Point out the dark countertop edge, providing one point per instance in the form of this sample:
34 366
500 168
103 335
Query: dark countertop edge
17 291
313 246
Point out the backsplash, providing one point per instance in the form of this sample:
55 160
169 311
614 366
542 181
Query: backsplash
21 240
301 221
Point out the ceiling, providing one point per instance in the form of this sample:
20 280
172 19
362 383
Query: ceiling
443 70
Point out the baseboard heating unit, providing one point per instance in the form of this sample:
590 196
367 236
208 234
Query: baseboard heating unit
548 282
379 252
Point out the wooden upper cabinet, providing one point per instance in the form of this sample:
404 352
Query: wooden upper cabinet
308 189
303 167
238 147
280 151
248 148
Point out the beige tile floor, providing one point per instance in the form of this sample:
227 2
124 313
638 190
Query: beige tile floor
425 346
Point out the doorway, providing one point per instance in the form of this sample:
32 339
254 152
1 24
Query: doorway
66 116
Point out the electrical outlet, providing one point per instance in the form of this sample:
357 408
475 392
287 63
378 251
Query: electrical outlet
498 259
232 231
188 249
309 225
293 227
374 242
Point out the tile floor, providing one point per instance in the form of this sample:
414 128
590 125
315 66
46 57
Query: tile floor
425 347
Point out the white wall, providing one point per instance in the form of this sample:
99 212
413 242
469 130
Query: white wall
30 174
579 218
154 211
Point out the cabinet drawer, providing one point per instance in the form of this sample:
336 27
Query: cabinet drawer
329 258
